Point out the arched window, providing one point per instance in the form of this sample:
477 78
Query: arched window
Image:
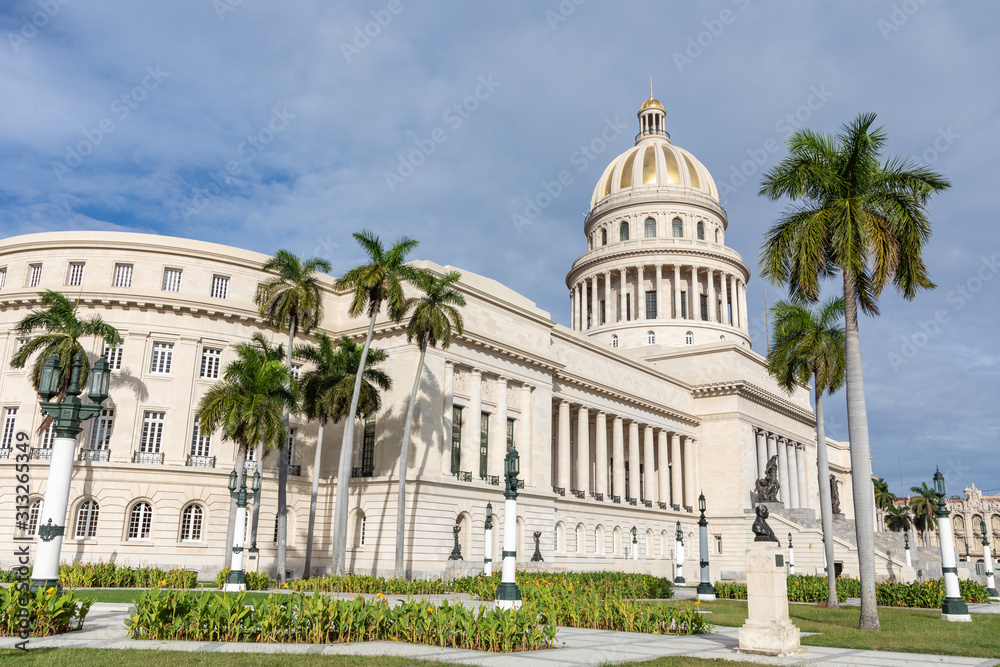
599 541
86 520
701 231
581 539
192 519
140 521
664 543
604 237
34 516
623 232
678 227
614 341
716 234
358 524
649 543
559 545
650 338
650 228
689 338
616 535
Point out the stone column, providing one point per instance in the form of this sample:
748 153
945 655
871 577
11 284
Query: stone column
659 292
618 454
694 303
594 315
677 291
783 494
793 476
800 464
601 454
562 476
640 292
633 459
676 497
710 279
525 443
446 418
663 470
689 482
572 308
622 285
723 283
735 315
761 453
583 450
649 466
470 423
498 433
772 447
744 321
608 306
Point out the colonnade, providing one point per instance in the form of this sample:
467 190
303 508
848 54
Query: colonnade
619 294
792 484
660 462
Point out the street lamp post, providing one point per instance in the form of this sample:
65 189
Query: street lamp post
967 558
953 608
237 580
705 589
67 415
488 542
906 549
991 584
635 545
508 594
791 556
679 550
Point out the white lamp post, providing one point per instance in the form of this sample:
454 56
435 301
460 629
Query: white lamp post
906 549
237 579
508 594
953 608
67 415
635 545
991 584
488 542
679 550
791 556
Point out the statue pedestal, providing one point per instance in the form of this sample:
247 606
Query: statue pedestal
768 630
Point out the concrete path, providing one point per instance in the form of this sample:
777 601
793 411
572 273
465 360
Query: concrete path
577 647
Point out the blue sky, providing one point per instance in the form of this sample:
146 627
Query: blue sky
290 125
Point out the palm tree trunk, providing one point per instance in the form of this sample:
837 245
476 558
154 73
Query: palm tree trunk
312 499
861 478
255 519
825 498
346 451
404 456
241 457
283 467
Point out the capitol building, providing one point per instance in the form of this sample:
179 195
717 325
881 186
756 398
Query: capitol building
654 394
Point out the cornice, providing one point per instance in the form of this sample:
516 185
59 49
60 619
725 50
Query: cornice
633 399
142 302
755 394
588 262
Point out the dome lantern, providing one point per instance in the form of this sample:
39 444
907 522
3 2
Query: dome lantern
652 117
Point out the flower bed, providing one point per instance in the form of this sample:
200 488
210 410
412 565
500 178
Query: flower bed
925 595
255 581
48 612
111 575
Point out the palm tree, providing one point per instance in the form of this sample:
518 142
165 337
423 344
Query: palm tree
923 505
326 395
290 300
435 314
247 405
866 220
63 329
897 518
377 282
884 498
809 346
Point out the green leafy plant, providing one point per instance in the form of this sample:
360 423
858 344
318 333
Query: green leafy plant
50 612
256 581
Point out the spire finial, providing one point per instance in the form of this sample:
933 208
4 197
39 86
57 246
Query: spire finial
650 87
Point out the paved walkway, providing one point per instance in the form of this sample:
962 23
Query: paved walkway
578 647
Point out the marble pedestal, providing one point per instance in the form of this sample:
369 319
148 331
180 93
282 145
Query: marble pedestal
768 630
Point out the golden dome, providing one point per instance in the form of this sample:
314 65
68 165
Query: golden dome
651 104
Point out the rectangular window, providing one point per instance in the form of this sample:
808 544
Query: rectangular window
590 316
626 480
9 428
484 443
34 275
361 537
75 278
650 305
684 305
704 307
628 307
211 361
123 275
604 315
718 544
49 436
152 432
201 443
456 438
114 356
220 287
642 477
171 280
296 371
510 433
368 449
290 446
3 277
100 432
163 357
251 454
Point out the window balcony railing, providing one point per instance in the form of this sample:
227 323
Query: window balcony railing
599 497
559 490
154 458
5 452
464 475
40 453
250 467
616 499
632 502
356 472
519 484
582 495
198 461
296 470
95 455
662 505
648 503
688 508
493 480
676 508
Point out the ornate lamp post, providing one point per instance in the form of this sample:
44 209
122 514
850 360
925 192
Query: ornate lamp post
67 415
791 556
679 551
635 545
488 542
237 580
705 589
508 594
953 608
967 559
906 549
991 584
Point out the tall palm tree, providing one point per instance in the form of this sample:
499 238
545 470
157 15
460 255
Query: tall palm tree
62 330
290 300
897 518
809 346
434 316
884 498
377 282
866 220
326 395
247 405
923 505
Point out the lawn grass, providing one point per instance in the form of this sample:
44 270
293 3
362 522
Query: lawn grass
904 630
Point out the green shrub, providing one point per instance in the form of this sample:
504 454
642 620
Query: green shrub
925 595
110 575
730 590
49 612
256 581
807 588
